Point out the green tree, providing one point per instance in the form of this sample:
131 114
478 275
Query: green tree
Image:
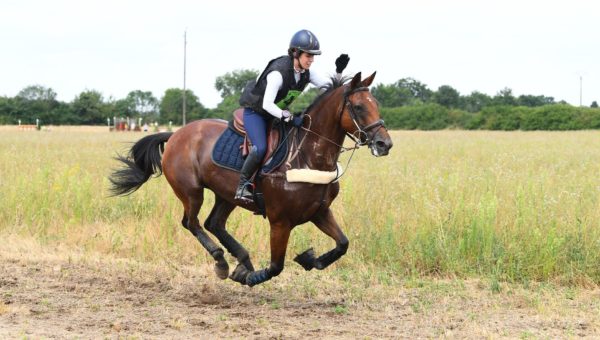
234 82
533 101
171 106
594 104
406 91
504 97
475 101
447 96
37 92
7 110
63 114
89 108
123 108
143 104
417 89
304 100
226 107
391 95
37 102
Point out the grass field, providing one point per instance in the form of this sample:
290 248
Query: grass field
504 206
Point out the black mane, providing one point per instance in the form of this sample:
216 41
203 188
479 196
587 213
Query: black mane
328 89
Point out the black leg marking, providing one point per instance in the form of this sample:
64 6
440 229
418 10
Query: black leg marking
221 266
215 223
306 259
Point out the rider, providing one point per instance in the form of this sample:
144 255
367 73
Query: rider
279 84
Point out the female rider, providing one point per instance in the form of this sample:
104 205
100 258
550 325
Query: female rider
282 81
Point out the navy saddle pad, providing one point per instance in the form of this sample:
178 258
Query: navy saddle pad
227 152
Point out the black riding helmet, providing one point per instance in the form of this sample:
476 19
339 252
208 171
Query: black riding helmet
304 41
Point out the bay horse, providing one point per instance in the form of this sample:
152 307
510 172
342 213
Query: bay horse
345 108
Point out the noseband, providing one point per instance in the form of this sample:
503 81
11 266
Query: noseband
360 136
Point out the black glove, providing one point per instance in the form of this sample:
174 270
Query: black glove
297 120
341 62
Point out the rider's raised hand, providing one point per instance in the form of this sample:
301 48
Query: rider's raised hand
341 62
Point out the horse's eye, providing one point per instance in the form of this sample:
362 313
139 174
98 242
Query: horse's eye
357 108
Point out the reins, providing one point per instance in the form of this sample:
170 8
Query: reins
342 148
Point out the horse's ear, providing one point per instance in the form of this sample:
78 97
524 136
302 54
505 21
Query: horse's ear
369 80
355 81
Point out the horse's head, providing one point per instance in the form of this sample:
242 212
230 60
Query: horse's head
360 116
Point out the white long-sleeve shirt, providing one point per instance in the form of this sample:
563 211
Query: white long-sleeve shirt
274 83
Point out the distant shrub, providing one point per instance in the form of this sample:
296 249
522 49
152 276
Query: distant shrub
501 117
422 117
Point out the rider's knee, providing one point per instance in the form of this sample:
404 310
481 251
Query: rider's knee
260 150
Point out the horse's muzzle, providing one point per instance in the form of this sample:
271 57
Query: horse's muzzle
381 144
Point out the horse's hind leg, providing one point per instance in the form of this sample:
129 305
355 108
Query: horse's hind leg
184 220
194 202
215 223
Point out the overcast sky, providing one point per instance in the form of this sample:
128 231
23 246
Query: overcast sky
531 47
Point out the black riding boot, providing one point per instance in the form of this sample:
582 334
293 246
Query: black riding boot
250 165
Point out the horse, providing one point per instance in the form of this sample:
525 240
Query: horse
346 107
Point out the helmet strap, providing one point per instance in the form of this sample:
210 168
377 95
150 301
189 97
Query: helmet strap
297 54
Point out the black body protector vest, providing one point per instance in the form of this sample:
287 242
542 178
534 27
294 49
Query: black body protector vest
254 92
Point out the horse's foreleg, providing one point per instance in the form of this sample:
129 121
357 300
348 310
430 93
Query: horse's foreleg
193 225
280 235
215 223
327 224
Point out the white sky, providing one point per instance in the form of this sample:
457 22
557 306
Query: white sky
532 47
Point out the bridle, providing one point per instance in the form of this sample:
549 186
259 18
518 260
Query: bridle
361 131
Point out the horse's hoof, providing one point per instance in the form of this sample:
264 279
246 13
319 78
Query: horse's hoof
239 274
222 270
306 259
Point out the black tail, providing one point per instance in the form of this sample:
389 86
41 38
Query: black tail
142 162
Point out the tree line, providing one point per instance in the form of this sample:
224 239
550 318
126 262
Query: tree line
405 104
91 108
410 104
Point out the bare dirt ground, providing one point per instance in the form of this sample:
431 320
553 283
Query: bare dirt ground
50 293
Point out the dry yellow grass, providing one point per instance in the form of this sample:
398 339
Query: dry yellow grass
516 206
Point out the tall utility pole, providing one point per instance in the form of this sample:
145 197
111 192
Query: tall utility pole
184 65
580 91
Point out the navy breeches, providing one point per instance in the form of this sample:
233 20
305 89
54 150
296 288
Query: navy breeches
256 129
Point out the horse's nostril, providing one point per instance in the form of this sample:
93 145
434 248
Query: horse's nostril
380 144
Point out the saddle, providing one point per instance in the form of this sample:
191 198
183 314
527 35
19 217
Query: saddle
233 145
273 135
